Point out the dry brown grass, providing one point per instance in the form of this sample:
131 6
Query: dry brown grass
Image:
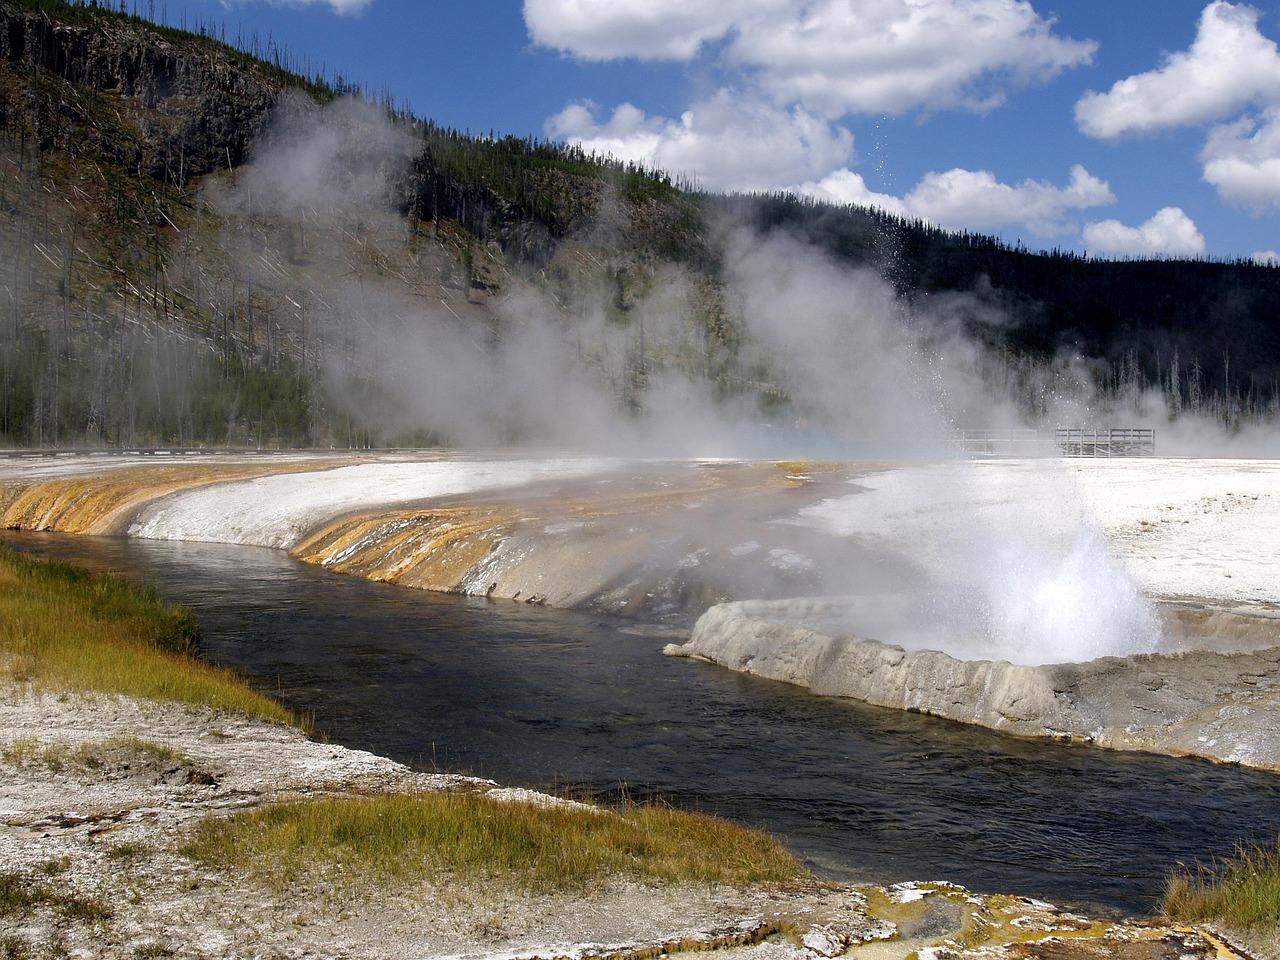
64 629
370 842
1243 891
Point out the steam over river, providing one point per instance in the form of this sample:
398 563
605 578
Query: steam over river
555 699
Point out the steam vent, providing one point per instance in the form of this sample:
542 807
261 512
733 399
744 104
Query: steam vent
1128 603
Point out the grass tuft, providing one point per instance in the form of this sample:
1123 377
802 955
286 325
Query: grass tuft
371 842
93 756
62 628
21 895
1243 891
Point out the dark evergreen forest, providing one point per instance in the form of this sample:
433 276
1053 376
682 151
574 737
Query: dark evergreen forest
144 300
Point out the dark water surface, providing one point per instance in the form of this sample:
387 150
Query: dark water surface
557 699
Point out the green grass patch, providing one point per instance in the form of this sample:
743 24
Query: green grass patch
369 842
1243 891
62 628
21 895
128 852
92 756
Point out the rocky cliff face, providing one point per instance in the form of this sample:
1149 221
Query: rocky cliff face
156 107
173 107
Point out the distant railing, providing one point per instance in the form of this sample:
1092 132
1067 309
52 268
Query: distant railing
1003 443
1113 442
1065 441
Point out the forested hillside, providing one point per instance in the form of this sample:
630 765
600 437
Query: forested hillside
202 247
1202 331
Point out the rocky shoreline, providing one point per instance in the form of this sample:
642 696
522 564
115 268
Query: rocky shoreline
1223 705
98 840
90 850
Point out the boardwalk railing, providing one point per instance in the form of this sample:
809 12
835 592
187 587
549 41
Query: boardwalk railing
1003 443
1064 441
1114 442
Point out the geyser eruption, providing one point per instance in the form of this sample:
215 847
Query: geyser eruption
1009 565
1081 605
1030 603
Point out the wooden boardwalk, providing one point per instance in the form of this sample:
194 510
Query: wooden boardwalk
1064 441
1004 443
1112 442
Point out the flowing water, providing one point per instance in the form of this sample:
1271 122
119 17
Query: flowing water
548 698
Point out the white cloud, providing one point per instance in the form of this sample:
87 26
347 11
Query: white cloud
1266 258
830 56
727 146
341 7
1242 160
647 29
1230 65
802 64
1169 233
837 57
974 199
727 142
846 187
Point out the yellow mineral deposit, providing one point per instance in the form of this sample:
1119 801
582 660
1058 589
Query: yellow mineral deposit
101 503
429 551
443 547
448 545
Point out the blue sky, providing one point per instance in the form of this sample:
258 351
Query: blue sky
1123 128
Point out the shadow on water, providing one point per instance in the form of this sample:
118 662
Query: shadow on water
587 704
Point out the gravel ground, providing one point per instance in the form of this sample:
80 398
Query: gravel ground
96 795
102 837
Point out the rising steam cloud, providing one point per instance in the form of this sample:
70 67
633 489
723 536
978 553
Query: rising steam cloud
826 358
831 361
388 322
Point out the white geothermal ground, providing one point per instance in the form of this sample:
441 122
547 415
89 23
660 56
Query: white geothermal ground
1182 528
1065 551
1029 608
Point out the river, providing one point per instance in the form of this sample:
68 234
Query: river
586 704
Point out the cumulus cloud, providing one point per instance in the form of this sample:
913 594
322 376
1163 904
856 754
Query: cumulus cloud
648 30
1169 233
1242 160
732 145
846 187
729 142
896 55
801 66
1230 73
1229 66
830 56
1266 258
341 7
975 199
